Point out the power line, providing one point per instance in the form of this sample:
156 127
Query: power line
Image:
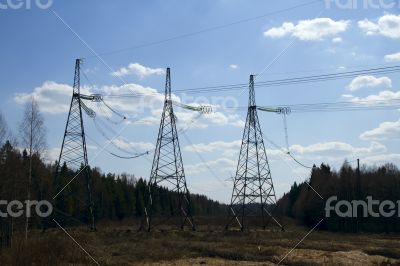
274 83
214 28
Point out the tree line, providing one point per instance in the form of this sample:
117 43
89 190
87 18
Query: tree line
307 202
116 196
24 175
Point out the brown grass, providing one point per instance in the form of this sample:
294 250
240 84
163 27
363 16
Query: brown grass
121 244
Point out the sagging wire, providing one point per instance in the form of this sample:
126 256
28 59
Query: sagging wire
284 114
116 155
130 157
92 114
116 146
113 110
106 115
284 152
284 111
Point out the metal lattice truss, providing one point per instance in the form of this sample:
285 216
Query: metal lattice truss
253 190
73 152
167 169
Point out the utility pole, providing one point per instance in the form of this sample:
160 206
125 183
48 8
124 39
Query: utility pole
167 169
253 191
73 151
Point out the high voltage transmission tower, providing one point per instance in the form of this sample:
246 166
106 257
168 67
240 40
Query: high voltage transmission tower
167 169
73 155
253 190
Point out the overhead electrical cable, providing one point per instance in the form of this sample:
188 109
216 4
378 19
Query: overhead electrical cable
272 83
214 28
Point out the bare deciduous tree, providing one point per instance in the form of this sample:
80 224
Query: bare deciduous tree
4 132
33 138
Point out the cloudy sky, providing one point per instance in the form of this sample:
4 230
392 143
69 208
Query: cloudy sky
137 40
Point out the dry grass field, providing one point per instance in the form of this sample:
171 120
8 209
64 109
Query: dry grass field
120 244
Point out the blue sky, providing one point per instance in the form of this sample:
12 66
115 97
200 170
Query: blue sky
38 52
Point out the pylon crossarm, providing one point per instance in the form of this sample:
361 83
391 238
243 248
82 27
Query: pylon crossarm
203 109
278 110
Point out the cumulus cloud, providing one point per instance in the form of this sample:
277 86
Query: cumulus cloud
189 119
139 70
309 30
125 144
337 148
331 152
385 131
137 100
55 98
233 66
223 165
227 148
336 152
372 99
383 159
369 81
51 97
392 57
388 26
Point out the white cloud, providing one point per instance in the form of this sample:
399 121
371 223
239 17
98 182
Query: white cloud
309 30
228 148
318 150
55 98
372 99
392 57
336 152
369 81
382 159
332 152
388 25
190 119
125 144
138 100
337 40
222 165
233 66
143 98
347 96
51 155
51 97
282 31
337 148
139 70
385 131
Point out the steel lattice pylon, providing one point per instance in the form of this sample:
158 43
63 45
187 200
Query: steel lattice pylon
73 153
167 168
253 190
